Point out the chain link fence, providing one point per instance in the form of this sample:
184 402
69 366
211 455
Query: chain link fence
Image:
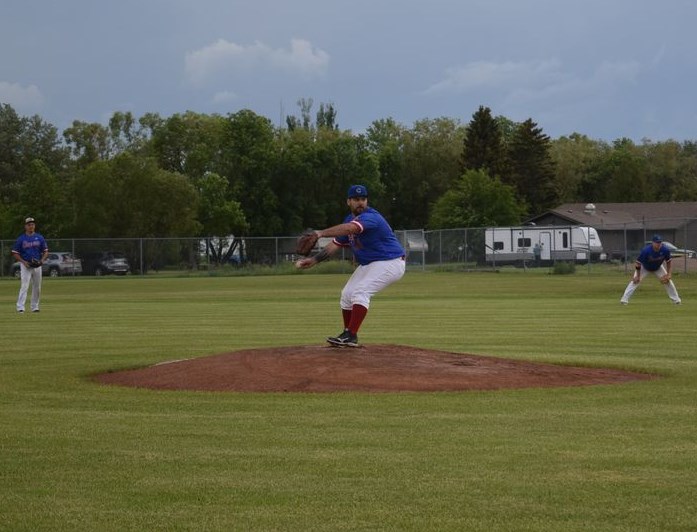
466 249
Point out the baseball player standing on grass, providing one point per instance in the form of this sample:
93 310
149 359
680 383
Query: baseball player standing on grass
30 250
652 259
377 251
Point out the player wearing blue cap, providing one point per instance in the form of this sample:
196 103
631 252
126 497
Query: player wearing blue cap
654 258
377 251
30 250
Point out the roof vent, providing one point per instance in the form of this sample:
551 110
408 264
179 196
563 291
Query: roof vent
589 208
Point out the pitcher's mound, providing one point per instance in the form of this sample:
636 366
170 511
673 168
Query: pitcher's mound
374 368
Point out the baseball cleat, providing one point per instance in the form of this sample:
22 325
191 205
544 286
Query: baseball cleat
345 339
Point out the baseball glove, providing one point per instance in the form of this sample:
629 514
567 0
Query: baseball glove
33 263
666 278
306 242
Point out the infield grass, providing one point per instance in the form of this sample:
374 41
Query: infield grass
75 455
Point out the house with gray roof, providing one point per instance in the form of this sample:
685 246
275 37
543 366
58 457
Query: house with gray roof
624 227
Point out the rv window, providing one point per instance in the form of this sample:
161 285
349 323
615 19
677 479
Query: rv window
565 240
498 246
524 242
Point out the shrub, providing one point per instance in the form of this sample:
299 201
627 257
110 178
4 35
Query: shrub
564 268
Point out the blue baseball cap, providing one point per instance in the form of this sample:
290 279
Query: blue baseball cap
357 191
657 238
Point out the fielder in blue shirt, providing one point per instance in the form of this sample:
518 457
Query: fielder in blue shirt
654 258
377 251
30 250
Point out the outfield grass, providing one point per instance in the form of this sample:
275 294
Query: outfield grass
75 455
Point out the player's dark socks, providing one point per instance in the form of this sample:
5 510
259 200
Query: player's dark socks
346 314
358 313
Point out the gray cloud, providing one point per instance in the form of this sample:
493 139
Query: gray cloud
24 98
222 58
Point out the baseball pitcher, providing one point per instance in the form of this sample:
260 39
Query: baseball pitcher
377 251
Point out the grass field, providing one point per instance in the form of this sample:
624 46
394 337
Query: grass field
78 456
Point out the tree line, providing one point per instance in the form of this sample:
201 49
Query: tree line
193 174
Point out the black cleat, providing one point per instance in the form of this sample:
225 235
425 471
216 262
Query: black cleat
345 339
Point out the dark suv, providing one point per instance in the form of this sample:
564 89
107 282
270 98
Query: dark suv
105 262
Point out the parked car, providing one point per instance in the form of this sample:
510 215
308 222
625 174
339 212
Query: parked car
105 263
678 252
57 263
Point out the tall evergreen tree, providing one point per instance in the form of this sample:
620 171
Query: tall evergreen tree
532 168
483 147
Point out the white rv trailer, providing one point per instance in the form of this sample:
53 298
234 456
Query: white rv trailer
510 245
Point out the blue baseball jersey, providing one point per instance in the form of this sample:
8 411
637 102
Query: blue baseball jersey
30 247
652 260
375 240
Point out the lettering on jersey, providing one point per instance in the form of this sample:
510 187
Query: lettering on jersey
33 244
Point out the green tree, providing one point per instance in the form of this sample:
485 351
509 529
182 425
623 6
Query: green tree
24 140
249 162
576 159
189 143
315 170
385 139
42 196
686 185
126 133
12 162
532 168
483 146
34 167
669 169
326 117
218 215
476 200
432 150
129 196
625 174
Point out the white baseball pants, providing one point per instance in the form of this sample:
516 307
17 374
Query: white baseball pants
660 272
29 277
368 280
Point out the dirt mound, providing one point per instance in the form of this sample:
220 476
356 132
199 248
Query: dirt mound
374 368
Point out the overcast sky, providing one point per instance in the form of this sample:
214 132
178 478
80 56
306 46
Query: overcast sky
604 68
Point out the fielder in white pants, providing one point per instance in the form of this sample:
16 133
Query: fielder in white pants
654 258
30 249
639 276
29 277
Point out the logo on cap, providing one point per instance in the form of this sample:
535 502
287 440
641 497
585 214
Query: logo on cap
357 191
657 238
29 221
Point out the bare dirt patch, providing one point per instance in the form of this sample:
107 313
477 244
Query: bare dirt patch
374 368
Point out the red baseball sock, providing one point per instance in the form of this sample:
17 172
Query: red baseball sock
358 313
346 314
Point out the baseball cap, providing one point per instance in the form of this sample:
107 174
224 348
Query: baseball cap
29 220
657 238
357 191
